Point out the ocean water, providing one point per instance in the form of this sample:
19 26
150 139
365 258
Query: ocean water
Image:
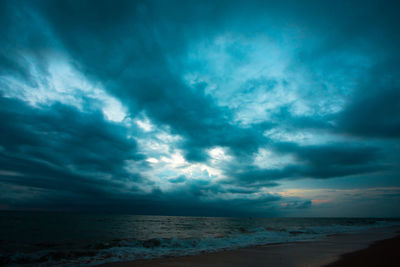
68 239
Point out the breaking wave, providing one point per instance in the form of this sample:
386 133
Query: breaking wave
134 249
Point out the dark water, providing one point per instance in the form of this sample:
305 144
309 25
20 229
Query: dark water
39 238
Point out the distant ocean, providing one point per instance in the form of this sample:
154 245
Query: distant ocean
45 238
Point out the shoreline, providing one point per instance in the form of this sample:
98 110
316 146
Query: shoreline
326 251
380 253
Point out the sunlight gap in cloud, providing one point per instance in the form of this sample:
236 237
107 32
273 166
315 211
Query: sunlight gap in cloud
61 82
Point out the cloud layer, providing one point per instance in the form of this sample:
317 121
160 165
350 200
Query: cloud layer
200 108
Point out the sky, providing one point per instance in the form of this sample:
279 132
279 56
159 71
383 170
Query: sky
205 108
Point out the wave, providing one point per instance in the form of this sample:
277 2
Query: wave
134 249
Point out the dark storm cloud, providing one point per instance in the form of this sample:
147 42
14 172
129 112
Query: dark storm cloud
136 50
58 148
137 40
194 198
359 30
179 179
291 122
128 46
298 205
313 161
55 160
77 193
375 110
374 115
23 35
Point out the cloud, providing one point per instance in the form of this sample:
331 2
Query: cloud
200 106
351 201
374 111
311 161
59 148
179 179
297 204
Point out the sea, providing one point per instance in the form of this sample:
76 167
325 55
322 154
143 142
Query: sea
70 239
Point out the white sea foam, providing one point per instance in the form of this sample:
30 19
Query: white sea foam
133 249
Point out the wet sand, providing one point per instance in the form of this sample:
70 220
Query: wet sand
315 253
381 253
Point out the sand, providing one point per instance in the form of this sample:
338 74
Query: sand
381 253
333 249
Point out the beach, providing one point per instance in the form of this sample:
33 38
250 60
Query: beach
350 249
73 239
199 133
